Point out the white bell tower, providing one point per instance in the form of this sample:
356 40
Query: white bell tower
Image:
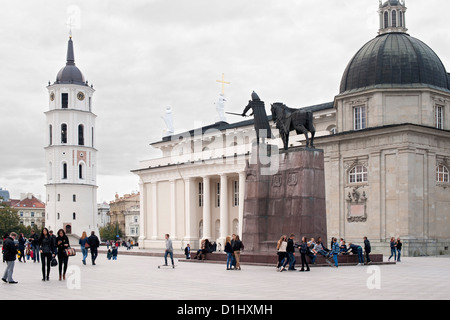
71 189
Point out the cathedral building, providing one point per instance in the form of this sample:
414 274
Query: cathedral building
71 190
386 142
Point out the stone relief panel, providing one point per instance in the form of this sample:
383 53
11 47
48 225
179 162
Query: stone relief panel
356 204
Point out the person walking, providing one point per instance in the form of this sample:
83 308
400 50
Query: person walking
34 239
367 249
84 246
335 249
9 256
399 249
114 252
169 250
21 248
62 243
47 251
282 254
94 243
393 246
237 246
303 252
229 251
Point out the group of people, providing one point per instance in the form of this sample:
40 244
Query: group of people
233 248
396 249
44 248
312 248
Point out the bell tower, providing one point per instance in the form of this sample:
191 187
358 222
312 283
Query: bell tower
392 16
71 188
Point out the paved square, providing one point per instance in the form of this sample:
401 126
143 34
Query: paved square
138 277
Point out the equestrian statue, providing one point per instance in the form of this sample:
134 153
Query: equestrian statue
288 119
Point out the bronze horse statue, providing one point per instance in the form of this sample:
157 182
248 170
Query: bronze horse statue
288 119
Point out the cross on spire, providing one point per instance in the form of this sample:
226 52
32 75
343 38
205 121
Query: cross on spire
223 82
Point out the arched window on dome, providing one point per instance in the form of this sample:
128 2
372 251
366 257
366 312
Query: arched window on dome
386 20
358 174
442 174
394 18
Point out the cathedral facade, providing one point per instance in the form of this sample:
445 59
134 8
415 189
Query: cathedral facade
386 141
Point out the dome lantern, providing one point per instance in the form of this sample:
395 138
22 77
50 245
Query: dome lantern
392 16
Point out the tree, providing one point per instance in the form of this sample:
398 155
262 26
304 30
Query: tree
110 232
9 219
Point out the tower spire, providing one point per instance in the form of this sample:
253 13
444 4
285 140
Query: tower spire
70 53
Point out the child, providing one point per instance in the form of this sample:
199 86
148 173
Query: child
114 253
187 252
109 254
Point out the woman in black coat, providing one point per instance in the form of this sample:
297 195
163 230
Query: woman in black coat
62 243
47 250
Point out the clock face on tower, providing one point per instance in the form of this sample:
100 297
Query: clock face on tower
80 96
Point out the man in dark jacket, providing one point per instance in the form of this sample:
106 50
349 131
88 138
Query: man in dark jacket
367 249
34 239
290 250
94 243
9 254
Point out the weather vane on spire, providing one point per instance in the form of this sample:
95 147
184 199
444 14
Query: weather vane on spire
74 20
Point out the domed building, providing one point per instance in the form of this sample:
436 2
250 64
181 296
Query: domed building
388 164
386 142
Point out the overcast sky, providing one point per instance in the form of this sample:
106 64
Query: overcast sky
144 55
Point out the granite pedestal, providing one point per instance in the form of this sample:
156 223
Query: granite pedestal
283 196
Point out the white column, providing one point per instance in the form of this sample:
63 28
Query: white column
241 202
223 208
154 210
173 210
189 207
207 208
142 217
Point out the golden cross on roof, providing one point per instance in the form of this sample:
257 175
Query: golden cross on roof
223 82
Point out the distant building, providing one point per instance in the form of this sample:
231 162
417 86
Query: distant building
102 217
30 209
123 207
4 195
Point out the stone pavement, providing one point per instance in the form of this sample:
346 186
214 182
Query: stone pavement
138 277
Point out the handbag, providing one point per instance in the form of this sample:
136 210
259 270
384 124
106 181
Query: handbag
54 262
70 252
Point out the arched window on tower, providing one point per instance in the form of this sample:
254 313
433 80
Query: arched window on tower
50 128
386 20
394 18
64 170
81 135
81 171
400 18
64 133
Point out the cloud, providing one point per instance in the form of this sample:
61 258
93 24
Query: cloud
142 56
